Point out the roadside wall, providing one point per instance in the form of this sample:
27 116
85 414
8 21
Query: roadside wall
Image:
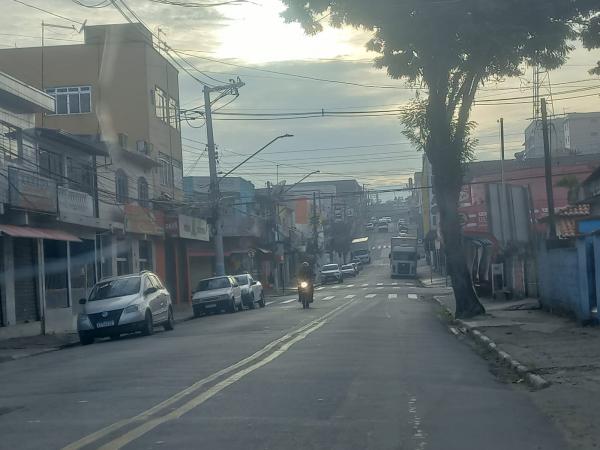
558 279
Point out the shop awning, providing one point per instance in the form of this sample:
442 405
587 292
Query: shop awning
37 233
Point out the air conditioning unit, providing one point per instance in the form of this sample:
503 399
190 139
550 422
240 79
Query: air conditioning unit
123 140
144 147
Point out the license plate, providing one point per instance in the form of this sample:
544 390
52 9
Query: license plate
106 323
210 306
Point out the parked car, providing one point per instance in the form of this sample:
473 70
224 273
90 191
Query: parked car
369 226
125 304
331 272
216 294
382 227
348 270
387 219
359 264
252 291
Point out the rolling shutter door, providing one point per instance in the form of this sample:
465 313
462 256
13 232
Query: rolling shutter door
26 301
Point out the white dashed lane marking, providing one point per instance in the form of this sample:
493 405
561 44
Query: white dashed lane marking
329 297
379 287
288 301
269 303
394 284
391 296
337 286
370 295
319 288
364 285
350 296
413 296
379 284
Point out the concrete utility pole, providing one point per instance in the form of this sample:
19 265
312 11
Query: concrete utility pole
548 170
502 149
314 224
212 165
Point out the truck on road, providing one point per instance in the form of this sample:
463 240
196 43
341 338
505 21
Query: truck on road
403 256
359 248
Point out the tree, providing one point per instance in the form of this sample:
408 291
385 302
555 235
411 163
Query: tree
451 48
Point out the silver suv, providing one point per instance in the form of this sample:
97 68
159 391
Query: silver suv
125 304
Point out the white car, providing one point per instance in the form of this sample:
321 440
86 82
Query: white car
125 304
331 272
252 291
216 294
349 270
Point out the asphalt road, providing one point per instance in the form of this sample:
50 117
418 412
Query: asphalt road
369 366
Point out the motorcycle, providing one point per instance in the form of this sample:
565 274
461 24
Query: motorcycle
305 294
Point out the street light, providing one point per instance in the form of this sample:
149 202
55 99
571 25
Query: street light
256 153
300 181
218 237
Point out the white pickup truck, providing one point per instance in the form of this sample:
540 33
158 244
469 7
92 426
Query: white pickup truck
252 291
215 294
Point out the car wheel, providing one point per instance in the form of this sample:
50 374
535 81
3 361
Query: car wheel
148 328
86 339
261 302
170 323
232 307
252 304
197 312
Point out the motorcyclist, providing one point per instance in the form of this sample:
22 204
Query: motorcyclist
306 274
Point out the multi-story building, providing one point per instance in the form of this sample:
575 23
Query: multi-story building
571 134
116 90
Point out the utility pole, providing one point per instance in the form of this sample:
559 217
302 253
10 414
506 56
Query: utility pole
212 166
314 224
548 170
502 150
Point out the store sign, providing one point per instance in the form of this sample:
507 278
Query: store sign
188 227
31 191
143 220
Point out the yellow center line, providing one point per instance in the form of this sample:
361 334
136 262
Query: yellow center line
146 415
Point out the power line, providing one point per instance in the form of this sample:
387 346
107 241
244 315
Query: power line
48 12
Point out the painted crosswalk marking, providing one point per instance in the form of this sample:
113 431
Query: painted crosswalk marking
370 295
288 301
379 287
349 296
337 286
413 296
319 288
350 285
329 297
391 296
269 303
394 284
379 284
364 285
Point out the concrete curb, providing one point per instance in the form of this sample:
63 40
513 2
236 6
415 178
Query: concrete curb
533 380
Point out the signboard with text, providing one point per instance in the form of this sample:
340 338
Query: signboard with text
143 220
188 227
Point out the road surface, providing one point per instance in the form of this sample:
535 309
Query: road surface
370 366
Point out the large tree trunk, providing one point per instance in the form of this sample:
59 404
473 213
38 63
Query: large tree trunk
467 303
445 157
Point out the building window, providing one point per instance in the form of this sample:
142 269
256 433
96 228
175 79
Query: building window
72 100
145 252
166 108
123 257
10 141
143 195
166 173
121 186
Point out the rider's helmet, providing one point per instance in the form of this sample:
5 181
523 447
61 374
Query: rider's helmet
305 264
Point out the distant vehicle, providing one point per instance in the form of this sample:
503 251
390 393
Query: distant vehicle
359 264
252 291
369 226
331 272
215 294
373 219
387 219
359 249
383 227
403 256
125 304
348 270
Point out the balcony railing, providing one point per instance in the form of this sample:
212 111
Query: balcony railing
72 202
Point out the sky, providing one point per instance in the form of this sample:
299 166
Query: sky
218 40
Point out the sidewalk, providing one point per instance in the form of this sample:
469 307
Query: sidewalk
555 348
429 278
